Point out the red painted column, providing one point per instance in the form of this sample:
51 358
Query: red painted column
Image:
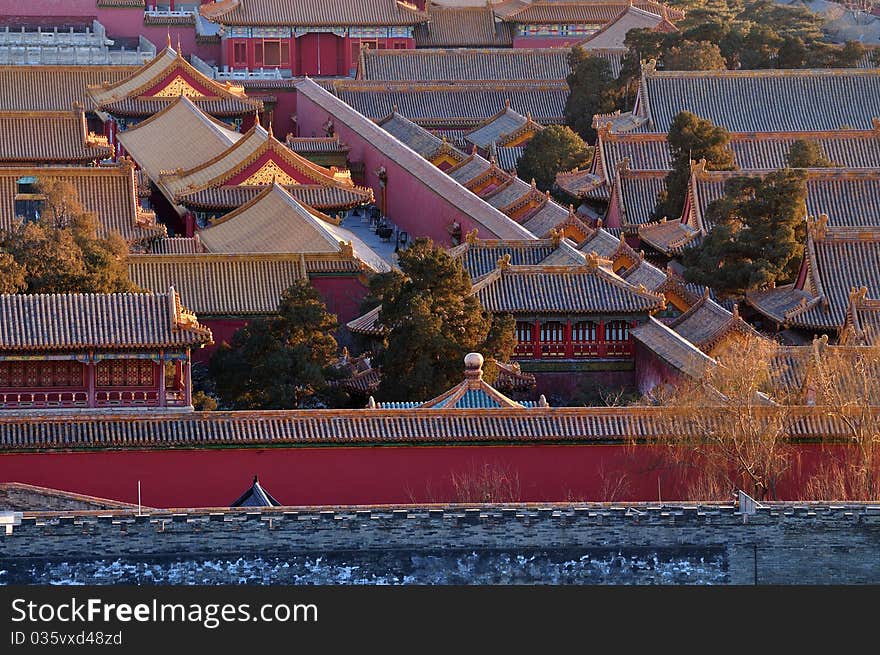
187 381
536 339
90 376
163 400
569 346
346 55
600 337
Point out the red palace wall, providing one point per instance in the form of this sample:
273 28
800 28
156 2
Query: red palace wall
222 329
342 295
412 204
359 475
651 371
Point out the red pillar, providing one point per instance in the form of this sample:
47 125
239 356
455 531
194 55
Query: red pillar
187 381
163 400
600 337
90 376
536 339
346 55
569 346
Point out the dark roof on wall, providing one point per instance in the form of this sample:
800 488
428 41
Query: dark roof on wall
255 496
366 426
104 321
764 100
571 11
454 27
458 104
312 13
465 64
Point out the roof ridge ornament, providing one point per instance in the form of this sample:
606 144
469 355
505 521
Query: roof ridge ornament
472 237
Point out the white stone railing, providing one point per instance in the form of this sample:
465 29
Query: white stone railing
232 75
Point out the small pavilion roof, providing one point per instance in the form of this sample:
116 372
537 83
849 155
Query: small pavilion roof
404 130
72 321
613 33
472 393
110 192
221 284
49 138
316 144
161 80
481 256
313 13
502 128
179 136
255 496
274 222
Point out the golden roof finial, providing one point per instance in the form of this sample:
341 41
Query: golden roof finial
168 39
472 236
504 261
593 261
507 103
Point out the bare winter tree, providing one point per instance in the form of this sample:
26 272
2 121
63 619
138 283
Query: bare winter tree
846 381
488 483
726 432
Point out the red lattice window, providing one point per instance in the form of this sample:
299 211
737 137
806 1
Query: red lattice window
40 375
583 331
617 331
126 373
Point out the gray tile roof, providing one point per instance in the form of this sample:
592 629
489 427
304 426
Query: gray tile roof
462 27
417 138
112 321
569 290
441 65
221 285
765 100
498 126
458 104
673 349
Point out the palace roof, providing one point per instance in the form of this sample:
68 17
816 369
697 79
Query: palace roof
862 326
836 262
405 131
707 322
761 100
274 222
49 137
160 81
179 136
110 192
440 65
459 104
635 196
613 34
587 289
68 85
156 430
313 13
461 27
540 12
481 256
466 201
72 321
505 127
221 284
761 150
673 348
256 160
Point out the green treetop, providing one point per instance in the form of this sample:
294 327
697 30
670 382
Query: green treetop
555 148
